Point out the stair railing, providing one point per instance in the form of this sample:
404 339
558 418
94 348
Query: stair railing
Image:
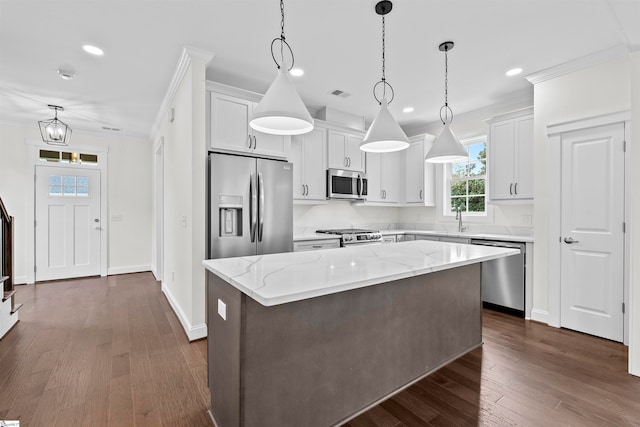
6 247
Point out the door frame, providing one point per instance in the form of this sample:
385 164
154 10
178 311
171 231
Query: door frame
32 147
554 135
158 271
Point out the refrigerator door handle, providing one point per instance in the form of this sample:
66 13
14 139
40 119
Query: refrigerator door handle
253 209
261 208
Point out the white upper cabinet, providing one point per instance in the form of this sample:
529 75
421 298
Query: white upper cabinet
230 130
309 158
420 176
385 177
510 155
344 151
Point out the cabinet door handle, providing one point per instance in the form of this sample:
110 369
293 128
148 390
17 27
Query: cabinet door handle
348 162
306 190
420 194
569 240
255 142
249 142
345 162
511 189
515 189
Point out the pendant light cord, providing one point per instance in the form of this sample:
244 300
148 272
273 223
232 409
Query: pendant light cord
282 19
383 80
384 86
447 110
282 31
446 78
283 42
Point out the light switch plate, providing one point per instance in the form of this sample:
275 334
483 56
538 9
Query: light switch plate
222 309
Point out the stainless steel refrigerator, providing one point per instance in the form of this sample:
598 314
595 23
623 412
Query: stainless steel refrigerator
251 206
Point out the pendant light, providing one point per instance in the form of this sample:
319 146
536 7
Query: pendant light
446 148
281 111
385 134
55 131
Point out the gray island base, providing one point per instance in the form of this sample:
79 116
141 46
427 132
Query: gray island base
323 360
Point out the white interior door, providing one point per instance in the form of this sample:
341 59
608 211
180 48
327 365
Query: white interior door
592 254
68 223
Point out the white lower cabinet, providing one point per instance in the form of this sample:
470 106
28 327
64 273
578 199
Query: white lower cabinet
389 239
309 158
383 175
314 245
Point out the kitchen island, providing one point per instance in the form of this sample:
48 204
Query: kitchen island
316 338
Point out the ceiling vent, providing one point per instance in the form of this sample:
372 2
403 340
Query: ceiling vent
340 93
111 129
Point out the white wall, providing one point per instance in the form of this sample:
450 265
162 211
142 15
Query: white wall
185 154
128 188
598 90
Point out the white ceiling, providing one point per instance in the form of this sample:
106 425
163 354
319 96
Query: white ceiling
336 42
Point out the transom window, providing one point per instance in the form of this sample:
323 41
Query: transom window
68 157
68 186
467 181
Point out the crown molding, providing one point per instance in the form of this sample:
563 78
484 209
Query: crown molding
578 64
189 54
131 136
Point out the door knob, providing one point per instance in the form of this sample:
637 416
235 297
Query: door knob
569 240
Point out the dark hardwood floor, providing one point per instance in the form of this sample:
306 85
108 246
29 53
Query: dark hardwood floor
110 351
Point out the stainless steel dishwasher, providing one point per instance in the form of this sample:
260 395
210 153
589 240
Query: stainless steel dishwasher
503 278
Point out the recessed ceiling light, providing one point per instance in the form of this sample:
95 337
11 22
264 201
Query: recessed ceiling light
407 110
66 73
297 72
513 72
93 50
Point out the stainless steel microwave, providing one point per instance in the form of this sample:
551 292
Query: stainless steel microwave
343 184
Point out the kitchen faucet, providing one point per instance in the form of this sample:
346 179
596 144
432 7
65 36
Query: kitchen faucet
461 228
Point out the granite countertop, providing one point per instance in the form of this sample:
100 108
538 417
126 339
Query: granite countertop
293 276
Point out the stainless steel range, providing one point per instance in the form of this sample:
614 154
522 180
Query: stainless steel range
355 236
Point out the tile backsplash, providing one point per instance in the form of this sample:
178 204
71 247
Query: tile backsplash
508 219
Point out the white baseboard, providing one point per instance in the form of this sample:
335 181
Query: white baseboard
193 332
20 280
540 316
128 269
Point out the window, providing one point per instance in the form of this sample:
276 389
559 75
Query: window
68 186
68 157
467 181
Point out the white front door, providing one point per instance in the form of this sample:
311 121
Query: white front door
592 231
68 223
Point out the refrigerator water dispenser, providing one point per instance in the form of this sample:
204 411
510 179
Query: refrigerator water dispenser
230 216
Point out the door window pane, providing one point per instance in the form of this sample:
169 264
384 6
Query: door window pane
68 185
